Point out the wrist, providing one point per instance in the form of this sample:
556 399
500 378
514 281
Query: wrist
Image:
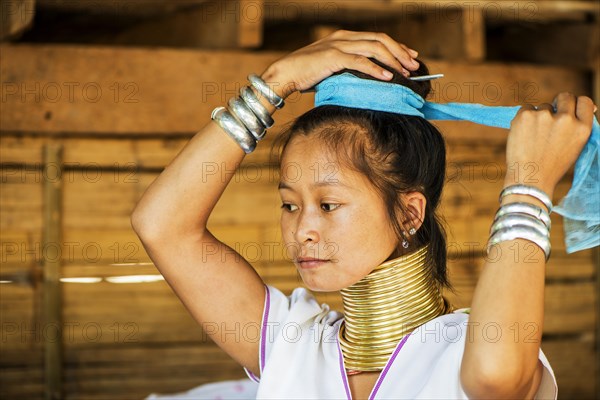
527 173
544 187
521 198
276 80
510 198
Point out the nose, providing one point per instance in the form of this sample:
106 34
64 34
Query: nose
307 227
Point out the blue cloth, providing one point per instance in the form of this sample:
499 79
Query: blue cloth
580 207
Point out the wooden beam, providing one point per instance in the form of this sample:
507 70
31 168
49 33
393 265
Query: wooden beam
123 91
142 91
16 16
250 26
288 10
137 8
455 34
216 24
52 272
473 29
552 43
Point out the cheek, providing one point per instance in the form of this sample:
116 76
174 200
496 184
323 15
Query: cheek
286 228
287 238
370 233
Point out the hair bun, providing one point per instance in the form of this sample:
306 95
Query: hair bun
422 88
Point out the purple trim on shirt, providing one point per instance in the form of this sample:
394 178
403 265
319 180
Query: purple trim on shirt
263 338
342 368
252 376
387 367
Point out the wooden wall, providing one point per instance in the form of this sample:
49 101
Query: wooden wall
117 115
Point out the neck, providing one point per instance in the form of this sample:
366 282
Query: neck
386 305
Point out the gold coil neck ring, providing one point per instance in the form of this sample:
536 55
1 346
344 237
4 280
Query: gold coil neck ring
390 302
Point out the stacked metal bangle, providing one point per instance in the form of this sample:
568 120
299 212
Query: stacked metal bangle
252 102
246 120
522 220
243 113
528 191
265 90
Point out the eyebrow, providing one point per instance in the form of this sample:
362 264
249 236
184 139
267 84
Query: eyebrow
284 185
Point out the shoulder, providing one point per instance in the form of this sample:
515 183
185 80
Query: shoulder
444 330
300 306
440 344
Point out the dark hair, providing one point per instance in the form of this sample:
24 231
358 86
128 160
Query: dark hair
397 153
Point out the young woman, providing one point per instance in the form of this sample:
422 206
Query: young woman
366 225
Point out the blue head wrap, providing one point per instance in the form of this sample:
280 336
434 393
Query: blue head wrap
580 207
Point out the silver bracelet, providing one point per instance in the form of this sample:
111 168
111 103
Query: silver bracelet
528 191
514 219
525 208
520 232
266 91
258 109
240 110
234 129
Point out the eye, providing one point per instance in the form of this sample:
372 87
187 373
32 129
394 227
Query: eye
289 207
328 207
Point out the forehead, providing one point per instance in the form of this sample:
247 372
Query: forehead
307 159
303 148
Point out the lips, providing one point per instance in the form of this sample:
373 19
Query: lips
310 262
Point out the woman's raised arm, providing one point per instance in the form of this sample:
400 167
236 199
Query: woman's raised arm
507 311
216 284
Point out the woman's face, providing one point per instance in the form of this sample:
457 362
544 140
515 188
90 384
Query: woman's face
335 226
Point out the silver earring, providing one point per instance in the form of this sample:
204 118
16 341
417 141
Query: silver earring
412 231
405 243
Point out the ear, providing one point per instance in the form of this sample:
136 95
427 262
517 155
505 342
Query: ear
414 203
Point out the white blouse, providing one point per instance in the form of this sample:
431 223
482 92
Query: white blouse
300 356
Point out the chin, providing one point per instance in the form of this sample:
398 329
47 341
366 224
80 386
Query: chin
315 286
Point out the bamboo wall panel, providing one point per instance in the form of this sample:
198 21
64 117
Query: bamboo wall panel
573 362
148 341
22 382
97 226
147 313
158 368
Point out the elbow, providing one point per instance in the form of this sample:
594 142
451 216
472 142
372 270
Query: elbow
140 222
155 228
495 380
147 224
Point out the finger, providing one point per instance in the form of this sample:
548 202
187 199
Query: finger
401 52
527 107
564 103
412 52
585 110
545 107
372 49
363 64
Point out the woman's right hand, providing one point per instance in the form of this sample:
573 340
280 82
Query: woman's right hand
309 65
545 141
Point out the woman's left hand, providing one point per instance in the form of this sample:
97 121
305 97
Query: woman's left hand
305 67
545 141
